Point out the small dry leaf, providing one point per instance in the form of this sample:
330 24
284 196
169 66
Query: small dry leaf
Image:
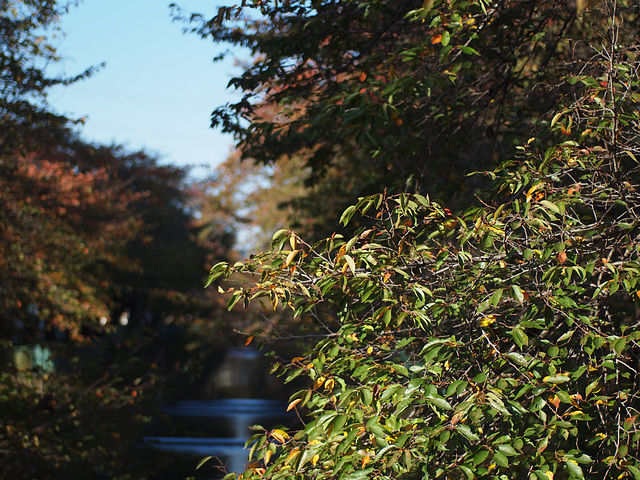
562 256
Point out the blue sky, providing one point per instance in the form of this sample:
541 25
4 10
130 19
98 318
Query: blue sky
159 86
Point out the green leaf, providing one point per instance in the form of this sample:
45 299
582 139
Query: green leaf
518 294
279 238
556 379
619 345
634 470
468 50
439 402
500 459
574 469
467 471
401 369
360 474
446 38
517 358
519 337
550 206
466 431
347 214
480 457
350 262
203 461
495 298
507 450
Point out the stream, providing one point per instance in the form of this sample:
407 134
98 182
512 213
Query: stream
220 427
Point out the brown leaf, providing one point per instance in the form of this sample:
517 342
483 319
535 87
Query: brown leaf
562 256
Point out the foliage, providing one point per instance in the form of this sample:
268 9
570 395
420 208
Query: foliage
27 50
88 419
249 200
498 342
60 227
86 232
404 96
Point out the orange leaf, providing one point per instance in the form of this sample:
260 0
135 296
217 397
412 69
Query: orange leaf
293 404
318 383
436 39
562 256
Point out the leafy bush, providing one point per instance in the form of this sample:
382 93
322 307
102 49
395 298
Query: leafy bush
499 342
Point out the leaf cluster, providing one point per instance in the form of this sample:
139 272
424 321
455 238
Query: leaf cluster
497 341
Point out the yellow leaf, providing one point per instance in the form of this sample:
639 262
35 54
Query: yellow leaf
267 456
290 257
294 453
319 381
488 320
366 459
280 435
315 459
329 384
549 474
532 190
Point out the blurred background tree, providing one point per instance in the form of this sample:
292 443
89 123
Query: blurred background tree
90 236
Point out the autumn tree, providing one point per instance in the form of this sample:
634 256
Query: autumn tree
60 227
491 342
85 232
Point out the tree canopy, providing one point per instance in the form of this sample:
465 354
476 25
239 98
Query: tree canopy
407 96
88 232
491 341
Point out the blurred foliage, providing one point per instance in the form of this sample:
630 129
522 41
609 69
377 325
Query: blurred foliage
89 417
91 236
